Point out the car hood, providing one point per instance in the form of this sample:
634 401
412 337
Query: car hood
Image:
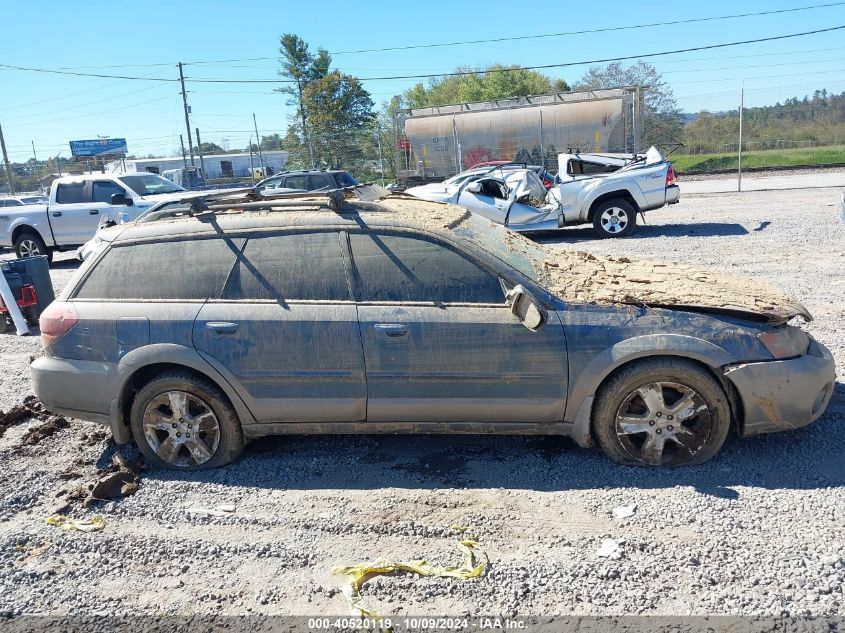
438 192
579 276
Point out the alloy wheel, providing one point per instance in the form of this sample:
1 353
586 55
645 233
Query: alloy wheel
663 423
181 428
614 220
28 248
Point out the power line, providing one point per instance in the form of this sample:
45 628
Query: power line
546 66
55 71
589 31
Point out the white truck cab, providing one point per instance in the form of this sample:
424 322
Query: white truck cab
76 208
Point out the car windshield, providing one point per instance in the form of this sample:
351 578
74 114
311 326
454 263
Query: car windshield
35 200
150 184
512 248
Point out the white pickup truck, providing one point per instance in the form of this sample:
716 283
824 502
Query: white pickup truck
605 190
76 208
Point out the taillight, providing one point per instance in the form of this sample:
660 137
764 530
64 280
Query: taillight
670 176
56 320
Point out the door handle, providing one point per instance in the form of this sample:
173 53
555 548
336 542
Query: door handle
223 327
57 214
391 330
93 212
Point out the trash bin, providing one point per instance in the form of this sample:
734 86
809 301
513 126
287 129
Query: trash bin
33 272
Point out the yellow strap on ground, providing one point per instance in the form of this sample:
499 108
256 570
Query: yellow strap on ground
475 562
94 524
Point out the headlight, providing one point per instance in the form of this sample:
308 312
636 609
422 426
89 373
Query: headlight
785 341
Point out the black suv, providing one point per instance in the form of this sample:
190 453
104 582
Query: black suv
307 180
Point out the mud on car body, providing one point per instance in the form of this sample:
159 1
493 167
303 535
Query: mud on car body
199 327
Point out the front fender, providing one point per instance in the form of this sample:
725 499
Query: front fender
585 380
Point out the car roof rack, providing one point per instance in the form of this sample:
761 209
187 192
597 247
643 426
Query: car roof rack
249 200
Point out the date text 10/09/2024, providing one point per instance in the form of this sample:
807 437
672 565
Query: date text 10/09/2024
491 623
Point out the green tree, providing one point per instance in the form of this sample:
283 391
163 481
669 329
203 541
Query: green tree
300 67
271 143
211 148
494 82
662 118
334 111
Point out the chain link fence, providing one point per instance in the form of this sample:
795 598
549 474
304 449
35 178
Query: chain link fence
777 135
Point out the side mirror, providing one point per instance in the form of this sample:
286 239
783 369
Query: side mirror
120 199
474 186
525 308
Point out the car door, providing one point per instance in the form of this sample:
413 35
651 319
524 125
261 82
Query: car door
440 343
80 208
486 197
286 329
73 217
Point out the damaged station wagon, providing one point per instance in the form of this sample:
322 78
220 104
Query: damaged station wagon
209 322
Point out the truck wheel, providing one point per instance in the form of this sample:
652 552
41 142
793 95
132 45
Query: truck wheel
614 218
661 412
183 422
30 244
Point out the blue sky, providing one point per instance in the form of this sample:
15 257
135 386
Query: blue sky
147 39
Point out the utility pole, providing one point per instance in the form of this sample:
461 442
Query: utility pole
258 144
251 165
187 110
380 154
199 151
739 149
9 175
184 160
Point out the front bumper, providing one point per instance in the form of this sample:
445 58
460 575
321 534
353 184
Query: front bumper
782 395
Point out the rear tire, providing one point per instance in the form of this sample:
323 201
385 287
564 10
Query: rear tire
183 422
30 244
614 218
661 412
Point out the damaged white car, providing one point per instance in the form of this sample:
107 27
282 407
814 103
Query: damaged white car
607 191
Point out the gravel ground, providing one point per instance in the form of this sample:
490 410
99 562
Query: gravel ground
758 531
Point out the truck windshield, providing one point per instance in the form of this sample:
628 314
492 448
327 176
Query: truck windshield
149 184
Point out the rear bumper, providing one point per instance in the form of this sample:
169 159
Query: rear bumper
86 390
673 194
784 394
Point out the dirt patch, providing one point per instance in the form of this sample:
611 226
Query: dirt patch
32 408
119 479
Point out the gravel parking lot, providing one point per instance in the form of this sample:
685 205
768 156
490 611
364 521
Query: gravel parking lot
760 530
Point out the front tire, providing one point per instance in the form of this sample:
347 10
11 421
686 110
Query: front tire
661 412
614 218
30 244
183 422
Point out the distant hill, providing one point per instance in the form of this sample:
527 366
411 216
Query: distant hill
819 118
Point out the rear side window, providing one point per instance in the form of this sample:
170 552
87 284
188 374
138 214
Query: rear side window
344 179
404 268
296 182
71 193
182 269
319 182
102 190
304 266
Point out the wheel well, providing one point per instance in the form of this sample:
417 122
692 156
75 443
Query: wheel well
147 373
734 399
613 195
24 228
